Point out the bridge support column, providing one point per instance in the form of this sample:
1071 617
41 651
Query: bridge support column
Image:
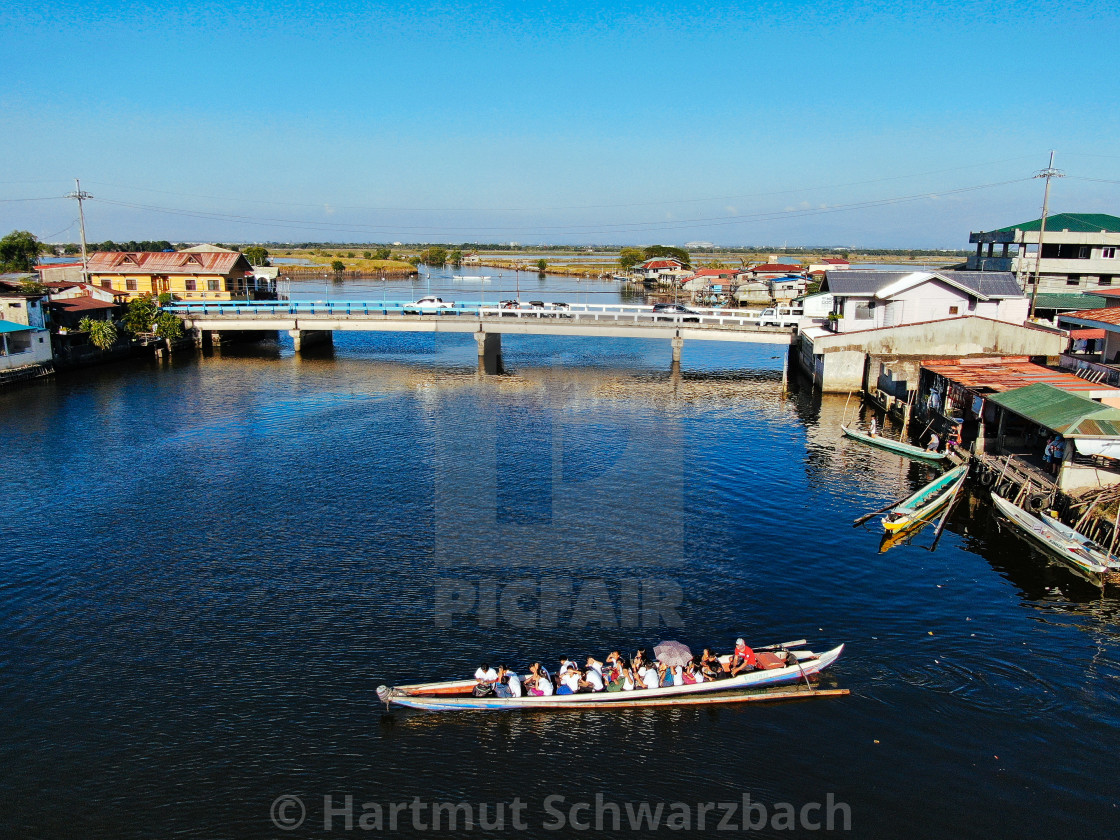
677 343
303 339
489 352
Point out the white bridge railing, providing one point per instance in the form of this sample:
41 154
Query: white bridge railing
606 313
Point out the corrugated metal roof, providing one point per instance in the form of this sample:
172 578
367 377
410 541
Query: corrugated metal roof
1094 317
12 326
1063 300
1060 411
1087 334
768 268
1005 374
1074 222
991 284
166 262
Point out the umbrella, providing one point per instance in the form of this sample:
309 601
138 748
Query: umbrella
672 654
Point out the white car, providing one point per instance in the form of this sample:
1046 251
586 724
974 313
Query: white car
429 305
780 316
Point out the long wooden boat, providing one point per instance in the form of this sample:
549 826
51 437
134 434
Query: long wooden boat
1085 557
456 694
894 445
925 504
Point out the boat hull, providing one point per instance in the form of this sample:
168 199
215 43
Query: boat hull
684 695
895 446
926 503
1055 542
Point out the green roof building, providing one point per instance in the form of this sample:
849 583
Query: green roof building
1079 252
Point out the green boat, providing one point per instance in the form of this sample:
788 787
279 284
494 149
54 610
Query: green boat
923 505
895 446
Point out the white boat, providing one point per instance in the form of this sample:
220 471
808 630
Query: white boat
1085 557
456 694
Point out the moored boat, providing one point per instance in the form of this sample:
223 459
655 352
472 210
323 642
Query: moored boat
456 694
923 505
1073 549
898 446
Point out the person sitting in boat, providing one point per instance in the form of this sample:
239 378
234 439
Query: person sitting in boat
594 664
647 677
591 680
667 676
569 680
742 659
501 684
710 665
538 682
693 673
513 681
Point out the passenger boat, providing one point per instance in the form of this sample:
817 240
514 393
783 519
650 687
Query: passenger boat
1085 557
456 694
894 445
924 505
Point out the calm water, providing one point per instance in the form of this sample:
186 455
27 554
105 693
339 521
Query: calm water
207 568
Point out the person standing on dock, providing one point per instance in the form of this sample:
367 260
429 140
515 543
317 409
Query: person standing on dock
874 430
934 442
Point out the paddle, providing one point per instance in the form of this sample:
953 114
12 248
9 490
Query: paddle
798 643
945 518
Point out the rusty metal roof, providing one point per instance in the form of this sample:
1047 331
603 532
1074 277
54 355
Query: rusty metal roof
1006 373
1094 317
167 262
1060 411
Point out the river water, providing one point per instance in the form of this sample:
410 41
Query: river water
207 567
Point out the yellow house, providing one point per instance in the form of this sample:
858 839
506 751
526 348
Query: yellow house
188 275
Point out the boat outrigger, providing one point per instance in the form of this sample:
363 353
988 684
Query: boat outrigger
892 445
921 507
794 667
1088 559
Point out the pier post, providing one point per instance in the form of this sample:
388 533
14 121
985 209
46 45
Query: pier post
677 343
303 339
489 352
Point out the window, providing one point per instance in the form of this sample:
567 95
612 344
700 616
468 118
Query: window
1108 253
130 284
191 283
1084 252
1104 280
212 285
863 312
1073 280
954 310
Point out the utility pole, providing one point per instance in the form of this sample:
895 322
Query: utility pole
80 197
1047 173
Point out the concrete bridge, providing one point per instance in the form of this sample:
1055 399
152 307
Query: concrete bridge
310 323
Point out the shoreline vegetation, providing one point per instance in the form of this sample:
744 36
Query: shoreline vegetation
574 262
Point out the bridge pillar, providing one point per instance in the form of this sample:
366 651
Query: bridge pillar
677 343
303 339
489 352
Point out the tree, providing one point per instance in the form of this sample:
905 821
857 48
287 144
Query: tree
383 253
349 255
338 266
256 255
630 257
140 315
102 334
542 264
169 326
434 256
667 251
456 258
367 255
19 251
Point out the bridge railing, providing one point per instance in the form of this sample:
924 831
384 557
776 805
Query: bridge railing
611 313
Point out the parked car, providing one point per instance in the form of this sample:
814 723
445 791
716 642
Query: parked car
429 305
674 312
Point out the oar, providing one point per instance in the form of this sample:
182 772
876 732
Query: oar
867 516
945 518
798 643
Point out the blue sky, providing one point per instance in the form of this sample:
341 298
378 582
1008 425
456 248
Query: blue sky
759 123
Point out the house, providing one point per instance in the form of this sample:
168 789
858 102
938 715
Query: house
864 300
768 271
1025 418
1079 251
656 267
194 274
67 313
829 264
25 340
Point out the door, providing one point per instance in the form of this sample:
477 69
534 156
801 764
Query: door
892 313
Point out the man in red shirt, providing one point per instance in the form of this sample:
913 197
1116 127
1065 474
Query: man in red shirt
743 659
